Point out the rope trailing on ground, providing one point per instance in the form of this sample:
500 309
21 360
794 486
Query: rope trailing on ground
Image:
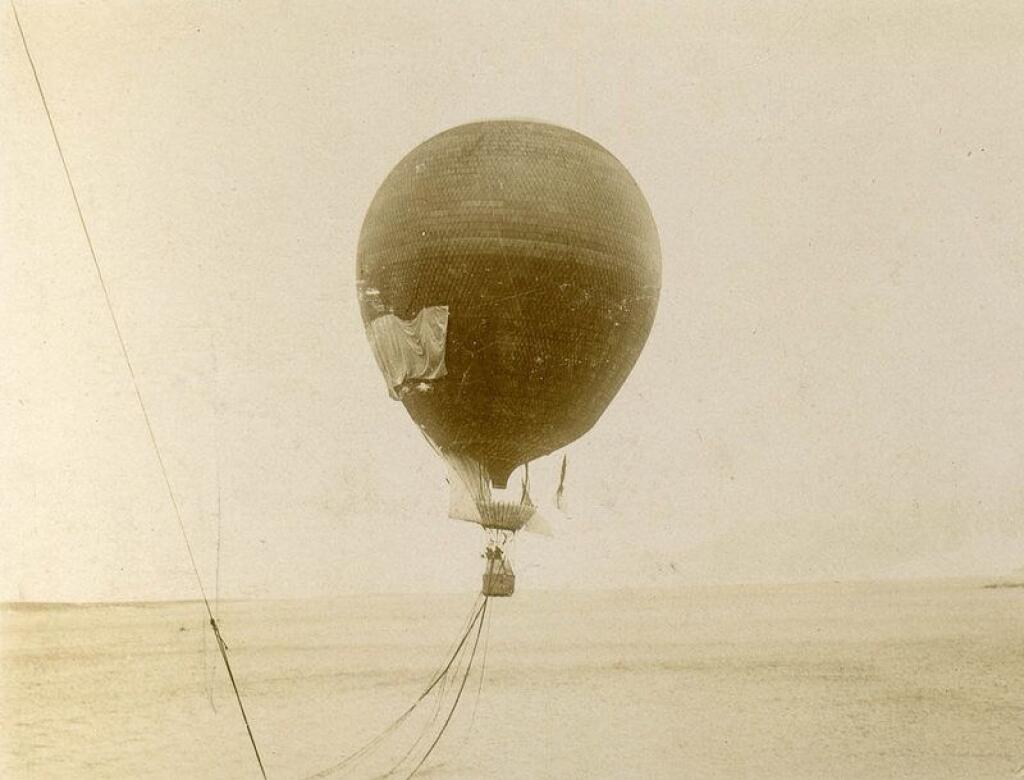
479 687
447 679
135 384
442 675
458 696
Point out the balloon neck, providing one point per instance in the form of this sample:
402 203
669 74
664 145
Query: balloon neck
499 475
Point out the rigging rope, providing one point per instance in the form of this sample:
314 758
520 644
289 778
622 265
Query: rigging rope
453 675
462 687
135 385
479 607
480 684
450 676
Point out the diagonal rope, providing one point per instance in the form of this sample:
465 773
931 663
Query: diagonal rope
451 677
441 674
135 384
458 695
480 685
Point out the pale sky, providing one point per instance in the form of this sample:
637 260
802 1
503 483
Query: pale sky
834 386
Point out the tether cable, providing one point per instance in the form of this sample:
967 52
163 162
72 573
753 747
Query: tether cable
135 384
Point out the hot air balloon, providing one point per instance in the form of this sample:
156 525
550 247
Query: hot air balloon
508 274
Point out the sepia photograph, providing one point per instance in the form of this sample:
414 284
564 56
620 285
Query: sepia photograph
541 389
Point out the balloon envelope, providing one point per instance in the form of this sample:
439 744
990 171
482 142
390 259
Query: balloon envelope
537 249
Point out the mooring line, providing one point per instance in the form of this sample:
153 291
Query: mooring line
352 758
458 696
135 384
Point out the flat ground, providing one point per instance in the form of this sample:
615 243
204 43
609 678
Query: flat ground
921 679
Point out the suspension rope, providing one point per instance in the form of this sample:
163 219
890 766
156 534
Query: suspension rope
458 696
441 674
135 384
483 672
479 689
452 675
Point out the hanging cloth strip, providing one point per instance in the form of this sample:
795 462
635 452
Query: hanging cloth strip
409 350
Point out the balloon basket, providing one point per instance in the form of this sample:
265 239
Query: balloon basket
498 584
